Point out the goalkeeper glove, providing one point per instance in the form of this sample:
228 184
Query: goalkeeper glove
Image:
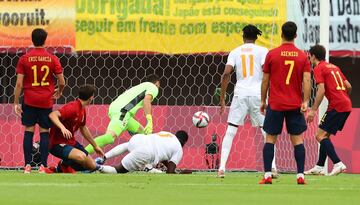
149 126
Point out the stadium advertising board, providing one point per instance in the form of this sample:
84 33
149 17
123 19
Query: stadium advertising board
174 26
19 18
344 30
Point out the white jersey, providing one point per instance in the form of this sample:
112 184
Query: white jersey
247 60
164 146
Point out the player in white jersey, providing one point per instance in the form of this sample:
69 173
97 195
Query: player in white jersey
247 60
150 149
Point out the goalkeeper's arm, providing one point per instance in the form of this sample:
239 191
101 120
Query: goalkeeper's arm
147 111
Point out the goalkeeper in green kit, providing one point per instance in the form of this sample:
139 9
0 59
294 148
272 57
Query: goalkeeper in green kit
124 108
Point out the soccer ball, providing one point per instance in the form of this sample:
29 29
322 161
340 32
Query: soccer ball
200 119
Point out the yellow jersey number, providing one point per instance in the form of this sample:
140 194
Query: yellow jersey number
43 82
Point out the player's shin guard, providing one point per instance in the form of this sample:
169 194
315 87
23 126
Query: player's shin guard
330 150
226 145
268 156
299 152
44 147
27 146
322 156
101 141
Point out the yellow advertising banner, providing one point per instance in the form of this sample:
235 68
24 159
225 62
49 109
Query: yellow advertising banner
175 26
19 18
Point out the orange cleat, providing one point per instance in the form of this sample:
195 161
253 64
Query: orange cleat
301 181
27 169
266 181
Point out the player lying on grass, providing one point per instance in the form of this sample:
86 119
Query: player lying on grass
162 147
67 120
124 108
332 83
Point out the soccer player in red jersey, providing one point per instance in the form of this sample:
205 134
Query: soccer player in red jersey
67 120
287 74
35 75
332 83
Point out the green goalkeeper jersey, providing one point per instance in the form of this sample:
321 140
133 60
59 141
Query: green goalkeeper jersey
132 100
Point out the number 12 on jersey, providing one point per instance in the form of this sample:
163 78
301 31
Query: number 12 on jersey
43 82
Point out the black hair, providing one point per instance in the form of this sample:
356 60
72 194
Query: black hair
182 137
153 78
38 36
251 32
289 30
86 91
318 51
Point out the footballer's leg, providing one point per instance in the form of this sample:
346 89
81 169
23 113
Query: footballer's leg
237 113
257 120
44 126
296 125
81 157
273 124
114 129
28 119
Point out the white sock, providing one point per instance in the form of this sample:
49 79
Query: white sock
107 169
226 145
267 175
118 150
300 175
273 164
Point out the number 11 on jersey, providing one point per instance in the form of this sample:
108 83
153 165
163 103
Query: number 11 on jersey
243 61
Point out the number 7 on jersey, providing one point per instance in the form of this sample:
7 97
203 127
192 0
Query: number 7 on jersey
291 63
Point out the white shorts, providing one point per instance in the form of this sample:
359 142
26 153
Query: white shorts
140 154
241 106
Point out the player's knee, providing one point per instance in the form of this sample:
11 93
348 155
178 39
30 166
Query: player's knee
80 157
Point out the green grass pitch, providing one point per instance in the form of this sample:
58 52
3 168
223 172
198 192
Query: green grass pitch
196 188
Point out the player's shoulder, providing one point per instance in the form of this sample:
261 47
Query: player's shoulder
73 105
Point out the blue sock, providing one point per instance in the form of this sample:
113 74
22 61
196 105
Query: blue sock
27 146
330 150
268 156
299 152
322 156
44 147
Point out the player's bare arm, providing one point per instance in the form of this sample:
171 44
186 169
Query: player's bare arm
61 85
225 79
320 93
264 89
55 118
348 87
17 92
307 90
87 135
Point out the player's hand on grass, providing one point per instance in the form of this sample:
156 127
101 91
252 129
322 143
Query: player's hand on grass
222 106
17 109
149 125
57 94
66 133
263 108
310 116
99 151
304 107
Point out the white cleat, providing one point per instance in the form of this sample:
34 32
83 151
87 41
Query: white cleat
221 174
337 169
274 173
317 170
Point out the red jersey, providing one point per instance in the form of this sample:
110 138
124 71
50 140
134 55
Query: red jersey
286 65
73 116
38 67
335 89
